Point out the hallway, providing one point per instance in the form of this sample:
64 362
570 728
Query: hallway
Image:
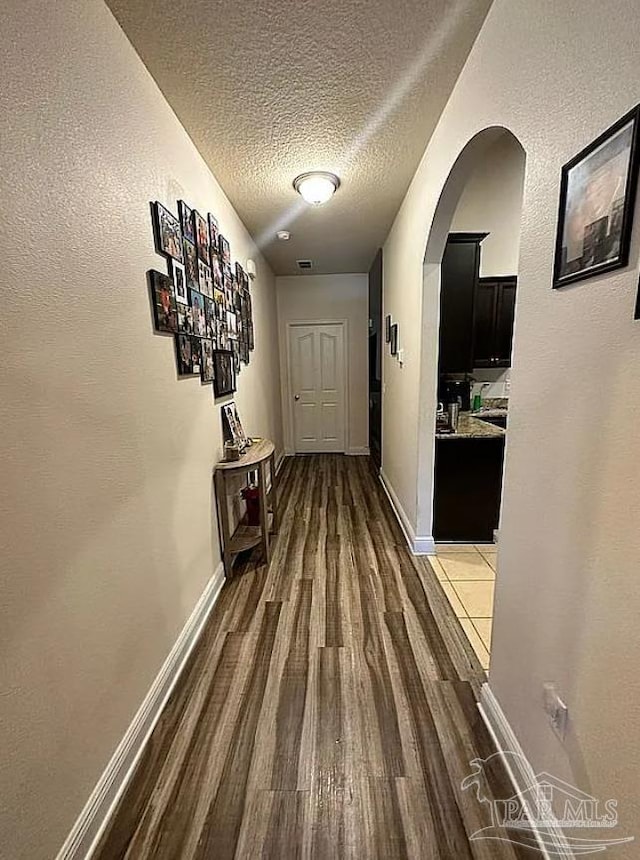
329 708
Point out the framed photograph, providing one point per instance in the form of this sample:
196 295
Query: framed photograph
387 328
185 319
224 374
232 324
216 270
206 360
597 196
233 429
225 250
186 220
199 316
168 233
394 339
188 355
210 316
191 265
205 279
179 278
214 232
164 303
201 231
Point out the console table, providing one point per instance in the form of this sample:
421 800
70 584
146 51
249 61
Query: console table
244 537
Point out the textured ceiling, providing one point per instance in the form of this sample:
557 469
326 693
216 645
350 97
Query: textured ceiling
268 89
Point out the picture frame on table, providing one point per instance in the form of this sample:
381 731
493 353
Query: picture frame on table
201 231
164 303
191 265
206 360
185 213
597 198
224 374
232 426
168 235
394 339
179 277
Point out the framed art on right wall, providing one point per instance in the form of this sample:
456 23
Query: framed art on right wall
597 197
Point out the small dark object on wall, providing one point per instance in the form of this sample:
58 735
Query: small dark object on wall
387 328
394 339
168 235
164 302
597 196
186 220
224 375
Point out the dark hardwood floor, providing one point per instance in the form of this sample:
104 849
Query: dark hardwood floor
328 710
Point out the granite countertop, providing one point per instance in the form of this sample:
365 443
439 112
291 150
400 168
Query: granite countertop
471 427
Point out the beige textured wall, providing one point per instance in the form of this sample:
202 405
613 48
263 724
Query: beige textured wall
321 297
556 73
492 203
106 530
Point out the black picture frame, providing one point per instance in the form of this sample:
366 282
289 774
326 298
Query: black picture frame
185 213
187 355
167 232
164 303
201 233
225 251
224 373
394 339
206 361
387 328
214 232
179 278
185 319
191 265
605 242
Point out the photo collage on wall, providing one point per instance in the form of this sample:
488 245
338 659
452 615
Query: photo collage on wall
202 300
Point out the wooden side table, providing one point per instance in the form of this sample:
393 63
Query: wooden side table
244 537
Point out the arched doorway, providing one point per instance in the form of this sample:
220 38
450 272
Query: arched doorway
473 198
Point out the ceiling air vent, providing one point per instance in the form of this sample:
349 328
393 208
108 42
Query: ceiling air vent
304 264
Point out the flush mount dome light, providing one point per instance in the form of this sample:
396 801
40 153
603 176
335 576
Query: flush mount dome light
316 187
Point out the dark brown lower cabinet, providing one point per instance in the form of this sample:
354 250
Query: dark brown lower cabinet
468 489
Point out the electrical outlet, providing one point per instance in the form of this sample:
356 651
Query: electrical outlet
556 709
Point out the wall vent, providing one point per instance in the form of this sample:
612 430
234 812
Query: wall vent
304 264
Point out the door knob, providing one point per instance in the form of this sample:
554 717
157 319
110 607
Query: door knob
297 397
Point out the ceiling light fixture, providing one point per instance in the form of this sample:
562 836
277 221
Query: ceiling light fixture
283 235
317 186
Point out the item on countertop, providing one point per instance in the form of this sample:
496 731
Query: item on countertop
231 451
453 411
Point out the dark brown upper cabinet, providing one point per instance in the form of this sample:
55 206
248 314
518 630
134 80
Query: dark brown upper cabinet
459 281
494 311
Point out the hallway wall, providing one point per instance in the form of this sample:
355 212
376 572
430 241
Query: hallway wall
567 600
106 525
314 297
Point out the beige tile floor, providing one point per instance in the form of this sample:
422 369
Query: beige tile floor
467 574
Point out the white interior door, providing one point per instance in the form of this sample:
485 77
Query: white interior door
317 377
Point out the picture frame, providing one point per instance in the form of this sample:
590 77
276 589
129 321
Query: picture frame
597 198
205 279
216 270
387 328
394 339
185 319
179 278
185 213
224 374
164 303
191 265
225 251
187 355
199 316
232 426
201 232
214 232
168 234
206 360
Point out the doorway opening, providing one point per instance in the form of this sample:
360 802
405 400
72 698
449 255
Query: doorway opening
470 293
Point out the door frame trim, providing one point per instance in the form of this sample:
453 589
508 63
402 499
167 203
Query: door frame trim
289 429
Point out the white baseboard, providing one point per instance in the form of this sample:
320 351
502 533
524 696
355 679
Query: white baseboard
361 451
519 769
86 832
419 545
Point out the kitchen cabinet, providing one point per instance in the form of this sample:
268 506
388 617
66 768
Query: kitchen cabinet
494 312
468 489
459 280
